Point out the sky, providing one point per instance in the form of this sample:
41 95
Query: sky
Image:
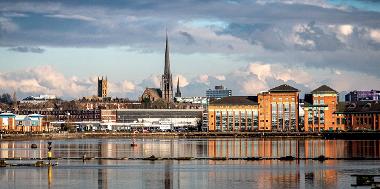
61 47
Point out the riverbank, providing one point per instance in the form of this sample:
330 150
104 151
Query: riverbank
56 136
81 135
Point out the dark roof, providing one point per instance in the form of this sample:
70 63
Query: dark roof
358 107
324 89
236 100
284 88
155 90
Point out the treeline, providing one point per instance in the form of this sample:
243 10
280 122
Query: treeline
6 98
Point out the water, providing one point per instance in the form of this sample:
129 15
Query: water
190 174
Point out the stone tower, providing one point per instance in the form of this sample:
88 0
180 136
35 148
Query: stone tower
102 87
166 82
178 93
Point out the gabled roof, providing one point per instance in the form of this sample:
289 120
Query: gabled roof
284 88
236 100
324 89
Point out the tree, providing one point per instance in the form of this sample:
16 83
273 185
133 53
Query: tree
6 99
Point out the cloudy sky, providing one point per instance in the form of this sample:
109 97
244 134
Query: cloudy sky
60 47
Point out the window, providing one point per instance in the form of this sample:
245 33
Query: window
322 102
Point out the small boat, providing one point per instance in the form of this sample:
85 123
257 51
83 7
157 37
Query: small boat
33 146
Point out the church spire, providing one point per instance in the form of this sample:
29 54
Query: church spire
167 60
167 83
178 93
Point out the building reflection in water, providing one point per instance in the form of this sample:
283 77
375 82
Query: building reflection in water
298 148
193 174
239 147
50 176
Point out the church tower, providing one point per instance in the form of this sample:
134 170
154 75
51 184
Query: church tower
102 87
166 82
178 93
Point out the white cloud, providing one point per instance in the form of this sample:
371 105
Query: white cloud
202 78
220 77
128 86
346 29
71 17
375 35
260 69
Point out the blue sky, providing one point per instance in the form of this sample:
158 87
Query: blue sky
60 47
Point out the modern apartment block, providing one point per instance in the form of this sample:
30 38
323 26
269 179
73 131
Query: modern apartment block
234 113
274 110
218 92
278 109
358 116
355 96
10 122
319 109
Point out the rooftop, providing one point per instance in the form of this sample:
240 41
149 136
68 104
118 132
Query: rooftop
358 107
236 100
324 89
284 88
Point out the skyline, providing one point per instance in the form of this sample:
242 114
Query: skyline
61 48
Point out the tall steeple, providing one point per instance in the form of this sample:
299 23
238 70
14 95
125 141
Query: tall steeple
178 93
167 60
166 82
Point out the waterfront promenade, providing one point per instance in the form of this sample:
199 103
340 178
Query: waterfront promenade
89 135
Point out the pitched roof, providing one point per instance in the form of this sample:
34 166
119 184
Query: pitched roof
358 107
236 100
284 88
324 89
157 91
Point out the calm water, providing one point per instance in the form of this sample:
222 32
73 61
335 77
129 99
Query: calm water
190 174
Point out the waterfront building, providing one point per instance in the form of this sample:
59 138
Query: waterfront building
359 116
7 121
279 109
22 123
274 110
167 82
29 123
102 87
234 113
355 96
152 119
319 110
218 92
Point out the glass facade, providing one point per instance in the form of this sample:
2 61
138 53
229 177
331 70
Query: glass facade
274 116
286 117
255 120
230 120
224 121
249 121
245 120
237 120
217 121
280 118
293 116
